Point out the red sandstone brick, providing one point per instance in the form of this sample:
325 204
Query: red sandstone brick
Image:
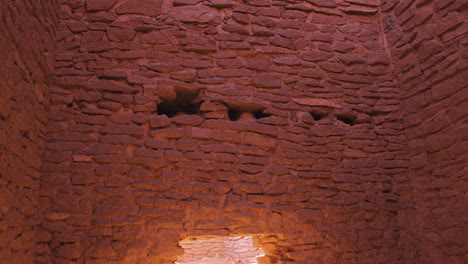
318 36
98 5
116 180
233 72
101 249
222 187
190 120
261 32
143 7
194 14
120 34
65 146
316 55
80 167
260 128
251 168
201 48
150 162
184 75
323 3
198 155
106 85
281 42
218 147
186 145
332 67
69 251
260 2
222 3
84 179
103 149
123 129
226 157
192 186
276 189
267 80
186 2
57 156
163 67
150 185
229 63
353 153
260 65
159 121
109 169
121 98
170 133
138 173
157 144
233 28
197 165
143 152
173 155
194 174
254 160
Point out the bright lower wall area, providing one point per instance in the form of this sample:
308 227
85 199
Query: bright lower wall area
221 249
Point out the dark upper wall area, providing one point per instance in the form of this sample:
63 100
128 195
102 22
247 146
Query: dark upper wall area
27 30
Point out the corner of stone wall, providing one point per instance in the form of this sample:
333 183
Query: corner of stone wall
27 49
428 46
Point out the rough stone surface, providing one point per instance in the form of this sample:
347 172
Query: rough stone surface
332 130
27 48
232 126
428 42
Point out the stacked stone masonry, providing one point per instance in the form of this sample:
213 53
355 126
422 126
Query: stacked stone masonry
330 129
429 45
27 43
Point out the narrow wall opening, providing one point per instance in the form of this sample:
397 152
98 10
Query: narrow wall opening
222 249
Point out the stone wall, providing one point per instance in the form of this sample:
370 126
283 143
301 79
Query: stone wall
429 45
27 30
332 128
200 118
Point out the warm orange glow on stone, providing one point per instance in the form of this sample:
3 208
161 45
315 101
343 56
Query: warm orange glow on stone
332 131
214 250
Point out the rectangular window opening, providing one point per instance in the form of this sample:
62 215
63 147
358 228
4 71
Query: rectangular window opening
221 249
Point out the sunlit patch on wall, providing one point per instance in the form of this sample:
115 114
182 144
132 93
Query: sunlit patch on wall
217 250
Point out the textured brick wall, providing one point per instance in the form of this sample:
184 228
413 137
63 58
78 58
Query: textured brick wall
333 128
286 124
27 30
428 41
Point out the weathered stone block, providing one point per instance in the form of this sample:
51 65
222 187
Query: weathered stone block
142 7
98 5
